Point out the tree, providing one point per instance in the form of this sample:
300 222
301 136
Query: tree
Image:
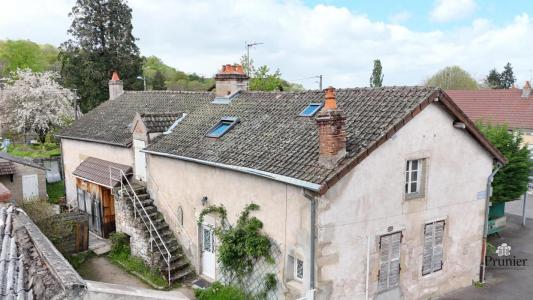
376 80
102 41
512 179
493 79
35 102
22 54
452 78
262 80
158 83
507 78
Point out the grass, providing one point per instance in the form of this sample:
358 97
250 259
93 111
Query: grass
76 260
55 191
136 266
46 150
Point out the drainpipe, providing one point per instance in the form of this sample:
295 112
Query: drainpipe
312 236
486 222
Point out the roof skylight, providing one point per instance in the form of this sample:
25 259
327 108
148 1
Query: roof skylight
222 127
311 110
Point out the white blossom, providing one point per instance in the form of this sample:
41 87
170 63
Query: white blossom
36 102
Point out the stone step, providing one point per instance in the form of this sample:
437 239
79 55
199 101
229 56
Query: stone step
182 274
174 266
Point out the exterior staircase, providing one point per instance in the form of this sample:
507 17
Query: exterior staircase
166 252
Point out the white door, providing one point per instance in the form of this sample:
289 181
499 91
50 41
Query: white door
140 160
208 251
30 187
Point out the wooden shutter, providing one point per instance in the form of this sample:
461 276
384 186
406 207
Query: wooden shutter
389 269
433 247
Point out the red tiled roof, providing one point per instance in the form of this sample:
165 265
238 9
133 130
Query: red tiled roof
496 106
5 194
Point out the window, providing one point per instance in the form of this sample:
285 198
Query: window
433 248
299 269
311 110
414 178
222 127
180 216
389 261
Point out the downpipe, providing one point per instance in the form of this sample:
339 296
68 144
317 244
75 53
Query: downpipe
312 235
483 266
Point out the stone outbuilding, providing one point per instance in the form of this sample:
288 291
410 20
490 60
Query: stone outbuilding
24 179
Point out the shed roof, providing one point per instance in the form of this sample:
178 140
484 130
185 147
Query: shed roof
20 160
98 171
7 168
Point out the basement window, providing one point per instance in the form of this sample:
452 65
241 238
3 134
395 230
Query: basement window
222 127
311 110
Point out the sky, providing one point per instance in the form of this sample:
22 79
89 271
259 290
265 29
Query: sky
338 39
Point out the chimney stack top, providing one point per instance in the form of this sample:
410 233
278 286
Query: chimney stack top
331 99
115 77
526 91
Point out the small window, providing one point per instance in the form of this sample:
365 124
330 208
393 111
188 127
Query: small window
311 110
180 216
299 269
414 178
222 127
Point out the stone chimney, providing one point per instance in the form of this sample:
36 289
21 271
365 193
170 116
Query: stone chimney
526 91
230 80
331 131
116 87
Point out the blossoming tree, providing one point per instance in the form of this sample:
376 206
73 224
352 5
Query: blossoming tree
36 102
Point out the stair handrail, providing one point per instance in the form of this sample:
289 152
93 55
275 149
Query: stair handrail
135 199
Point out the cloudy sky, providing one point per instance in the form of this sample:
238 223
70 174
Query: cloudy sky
336 38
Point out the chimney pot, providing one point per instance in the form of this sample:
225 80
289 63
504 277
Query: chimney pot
526 91
230 80
331 131
116 87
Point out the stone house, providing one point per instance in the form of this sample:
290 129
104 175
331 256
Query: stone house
24 179
364 192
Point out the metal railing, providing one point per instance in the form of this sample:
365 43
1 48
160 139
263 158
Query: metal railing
125 186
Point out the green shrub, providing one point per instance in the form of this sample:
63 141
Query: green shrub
55 191
218 291
120 243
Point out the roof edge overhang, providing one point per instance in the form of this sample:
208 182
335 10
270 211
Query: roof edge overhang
128 145
281 178
437 95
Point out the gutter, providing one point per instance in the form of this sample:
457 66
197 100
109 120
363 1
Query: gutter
486 223
92 141
285 179
312 237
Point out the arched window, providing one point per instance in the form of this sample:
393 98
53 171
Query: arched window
180 215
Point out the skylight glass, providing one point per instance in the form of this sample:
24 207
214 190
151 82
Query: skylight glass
222 127
311 110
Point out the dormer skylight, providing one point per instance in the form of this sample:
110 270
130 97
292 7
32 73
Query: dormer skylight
311 110
222 127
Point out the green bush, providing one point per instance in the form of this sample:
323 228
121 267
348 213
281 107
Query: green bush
120 243
55 191
218 291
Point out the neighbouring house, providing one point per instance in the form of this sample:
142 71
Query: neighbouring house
30 266
363 191
24 179
513 107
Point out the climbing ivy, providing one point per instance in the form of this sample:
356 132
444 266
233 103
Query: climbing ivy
242 246
220 210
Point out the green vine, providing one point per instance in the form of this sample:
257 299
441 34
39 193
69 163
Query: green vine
242 246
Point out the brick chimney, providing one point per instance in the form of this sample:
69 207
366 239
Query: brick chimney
230 80
331 131
116 87
526 91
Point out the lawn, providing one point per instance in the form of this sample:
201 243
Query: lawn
55 191
46 150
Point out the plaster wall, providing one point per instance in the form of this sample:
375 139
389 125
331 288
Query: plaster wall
74 152
370 202
283 208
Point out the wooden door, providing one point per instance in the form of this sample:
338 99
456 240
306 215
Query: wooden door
30 187
108 212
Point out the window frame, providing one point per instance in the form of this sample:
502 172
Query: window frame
420 182
318 107
231 121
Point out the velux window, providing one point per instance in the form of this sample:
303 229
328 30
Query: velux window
311 110
222 127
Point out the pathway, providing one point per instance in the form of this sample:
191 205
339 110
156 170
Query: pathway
99 268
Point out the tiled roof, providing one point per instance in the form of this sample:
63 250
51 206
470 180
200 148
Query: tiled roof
270 137
7 168
97 171
496 106
110 122
159 122
20 160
